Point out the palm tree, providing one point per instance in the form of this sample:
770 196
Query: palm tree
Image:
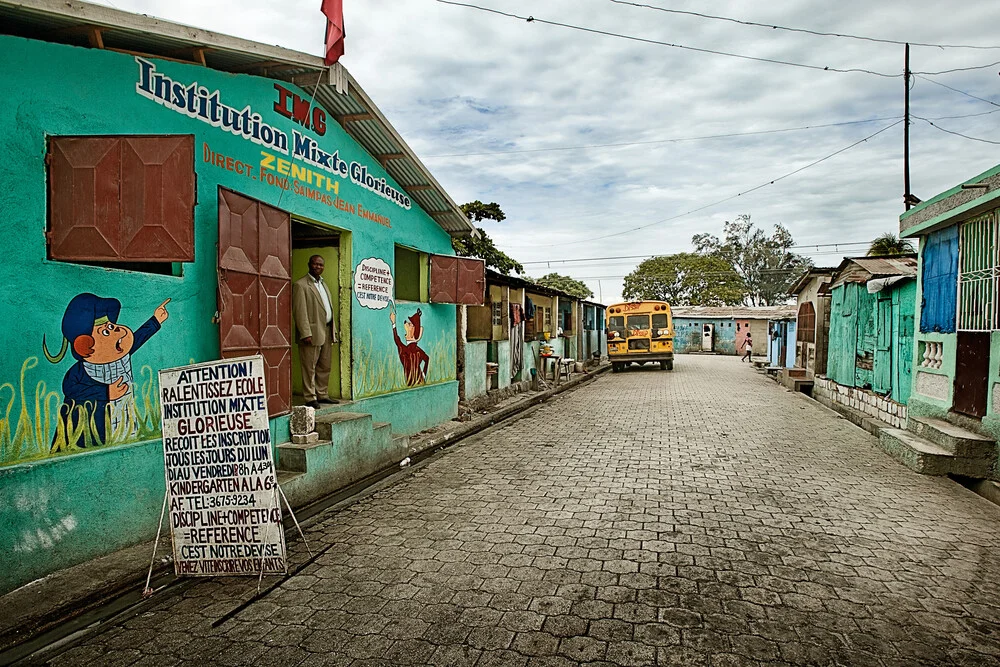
890 244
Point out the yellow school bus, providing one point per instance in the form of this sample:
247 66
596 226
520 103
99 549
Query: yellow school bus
640 332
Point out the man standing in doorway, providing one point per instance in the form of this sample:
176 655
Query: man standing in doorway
312 309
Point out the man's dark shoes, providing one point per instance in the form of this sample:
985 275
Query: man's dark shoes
328 401
313 404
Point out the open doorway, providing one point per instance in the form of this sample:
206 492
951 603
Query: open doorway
310 239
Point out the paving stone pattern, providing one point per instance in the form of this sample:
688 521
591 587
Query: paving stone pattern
703 516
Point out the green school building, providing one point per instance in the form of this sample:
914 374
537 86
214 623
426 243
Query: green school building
175 182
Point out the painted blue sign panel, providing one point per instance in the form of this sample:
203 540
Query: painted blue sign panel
940 281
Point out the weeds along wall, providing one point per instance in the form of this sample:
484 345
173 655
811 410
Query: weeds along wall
66 496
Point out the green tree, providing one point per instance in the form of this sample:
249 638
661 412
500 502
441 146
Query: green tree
685 279
566 284
765 263
890 244
483 247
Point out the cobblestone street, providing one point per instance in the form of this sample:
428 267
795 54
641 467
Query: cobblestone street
703 516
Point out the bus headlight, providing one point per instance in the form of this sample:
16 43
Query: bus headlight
662 332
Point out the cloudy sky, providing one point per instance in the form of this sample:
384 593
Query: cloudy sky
582 137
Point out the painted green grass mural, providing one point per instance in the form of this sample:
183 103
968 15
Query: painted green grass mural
32 428
379 371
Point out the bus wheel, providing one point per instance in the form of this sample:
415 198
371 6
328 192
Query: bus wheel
616 367
663 365
670 365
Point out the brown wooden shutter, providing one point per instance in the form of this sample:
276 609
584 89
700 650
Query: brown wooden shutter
471 288
84 217
444 278
255 302
157 198
122 199
457 280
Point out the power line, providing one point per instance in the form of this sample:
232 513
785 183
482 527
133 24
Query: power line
663 141
958 134
969 115
594 259
721 201
803 30
644 40
958 69
962 92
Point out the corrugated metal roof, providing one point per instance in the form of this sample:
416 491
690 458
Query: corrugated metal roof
735 312
863 269
880 267
96 26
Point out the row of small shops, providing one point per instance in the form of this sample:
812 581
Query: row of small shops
912 342
523 329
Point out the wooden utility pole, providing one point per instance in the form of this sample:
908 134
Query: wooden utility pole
906 129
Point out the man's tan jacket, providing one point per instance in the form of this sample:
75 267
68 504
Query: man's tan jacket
309 313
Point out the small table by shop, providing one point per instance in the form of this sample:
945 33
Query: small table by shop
554 359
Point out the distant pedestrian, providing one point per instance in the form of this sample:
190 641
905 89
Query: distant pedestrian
748 347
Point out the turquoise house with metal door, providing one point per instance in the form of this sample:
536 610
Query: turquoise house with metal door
872 310
177 186
957 352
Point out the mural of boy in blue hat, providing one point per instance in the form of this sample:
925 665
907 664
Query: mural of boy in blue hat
101 379
414 359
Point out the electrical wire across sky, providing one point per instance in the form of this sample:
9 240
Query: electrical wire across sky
715 203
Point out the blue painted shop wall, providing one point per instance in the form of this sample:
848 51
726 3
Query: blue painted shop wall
688 331
777 340
790 345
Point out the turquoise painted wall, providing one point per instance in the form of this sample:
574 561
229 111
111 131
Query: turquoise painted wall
872 338
62 90
503 359
688 330
475 368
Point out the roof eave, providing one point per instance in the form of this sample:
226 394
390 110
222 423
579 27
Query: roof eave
273 62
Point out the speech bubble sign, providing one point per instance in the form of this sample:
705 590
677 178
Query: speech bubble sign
373 283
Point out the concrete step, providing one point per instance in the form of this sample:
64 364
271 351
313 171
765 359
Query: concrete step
955 439
286 476
328 423
915 452
929 458
295 458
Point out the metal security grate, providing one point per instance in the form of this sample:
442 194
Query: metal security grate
979 274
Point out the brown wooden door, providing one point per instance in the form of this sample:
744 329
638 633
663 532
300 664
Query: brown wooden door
255 302
972 362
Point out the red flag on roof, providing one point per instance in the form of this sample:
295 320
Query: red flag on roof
334 10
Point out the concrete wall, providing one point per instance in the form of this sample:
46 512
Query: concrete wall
688 330
862 400
812 355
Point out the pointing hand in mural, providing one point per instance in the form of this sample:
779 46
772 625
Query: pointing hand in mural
161 313
95 389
